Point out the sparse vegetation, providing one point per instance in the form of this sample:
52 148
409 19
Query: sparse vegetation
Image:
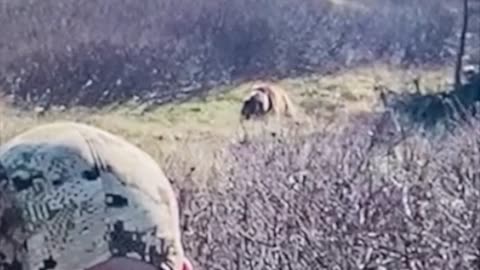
173 49
356 192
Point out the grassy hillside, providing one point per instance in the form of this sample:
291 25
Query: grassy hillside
76 53
338 197
182 130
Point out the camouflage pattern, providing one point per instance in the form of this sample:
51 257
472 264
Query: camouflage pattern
72 196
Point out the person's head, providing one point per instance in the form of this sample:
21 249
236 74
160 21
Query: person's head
76 197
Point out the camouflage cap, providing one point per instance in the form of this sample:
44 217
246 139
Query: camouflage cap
73 196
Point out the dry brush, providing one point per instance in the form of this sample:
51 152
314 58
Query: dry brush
349 200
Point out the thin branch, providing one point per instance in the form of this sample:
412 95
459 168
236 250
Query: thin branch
461 48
